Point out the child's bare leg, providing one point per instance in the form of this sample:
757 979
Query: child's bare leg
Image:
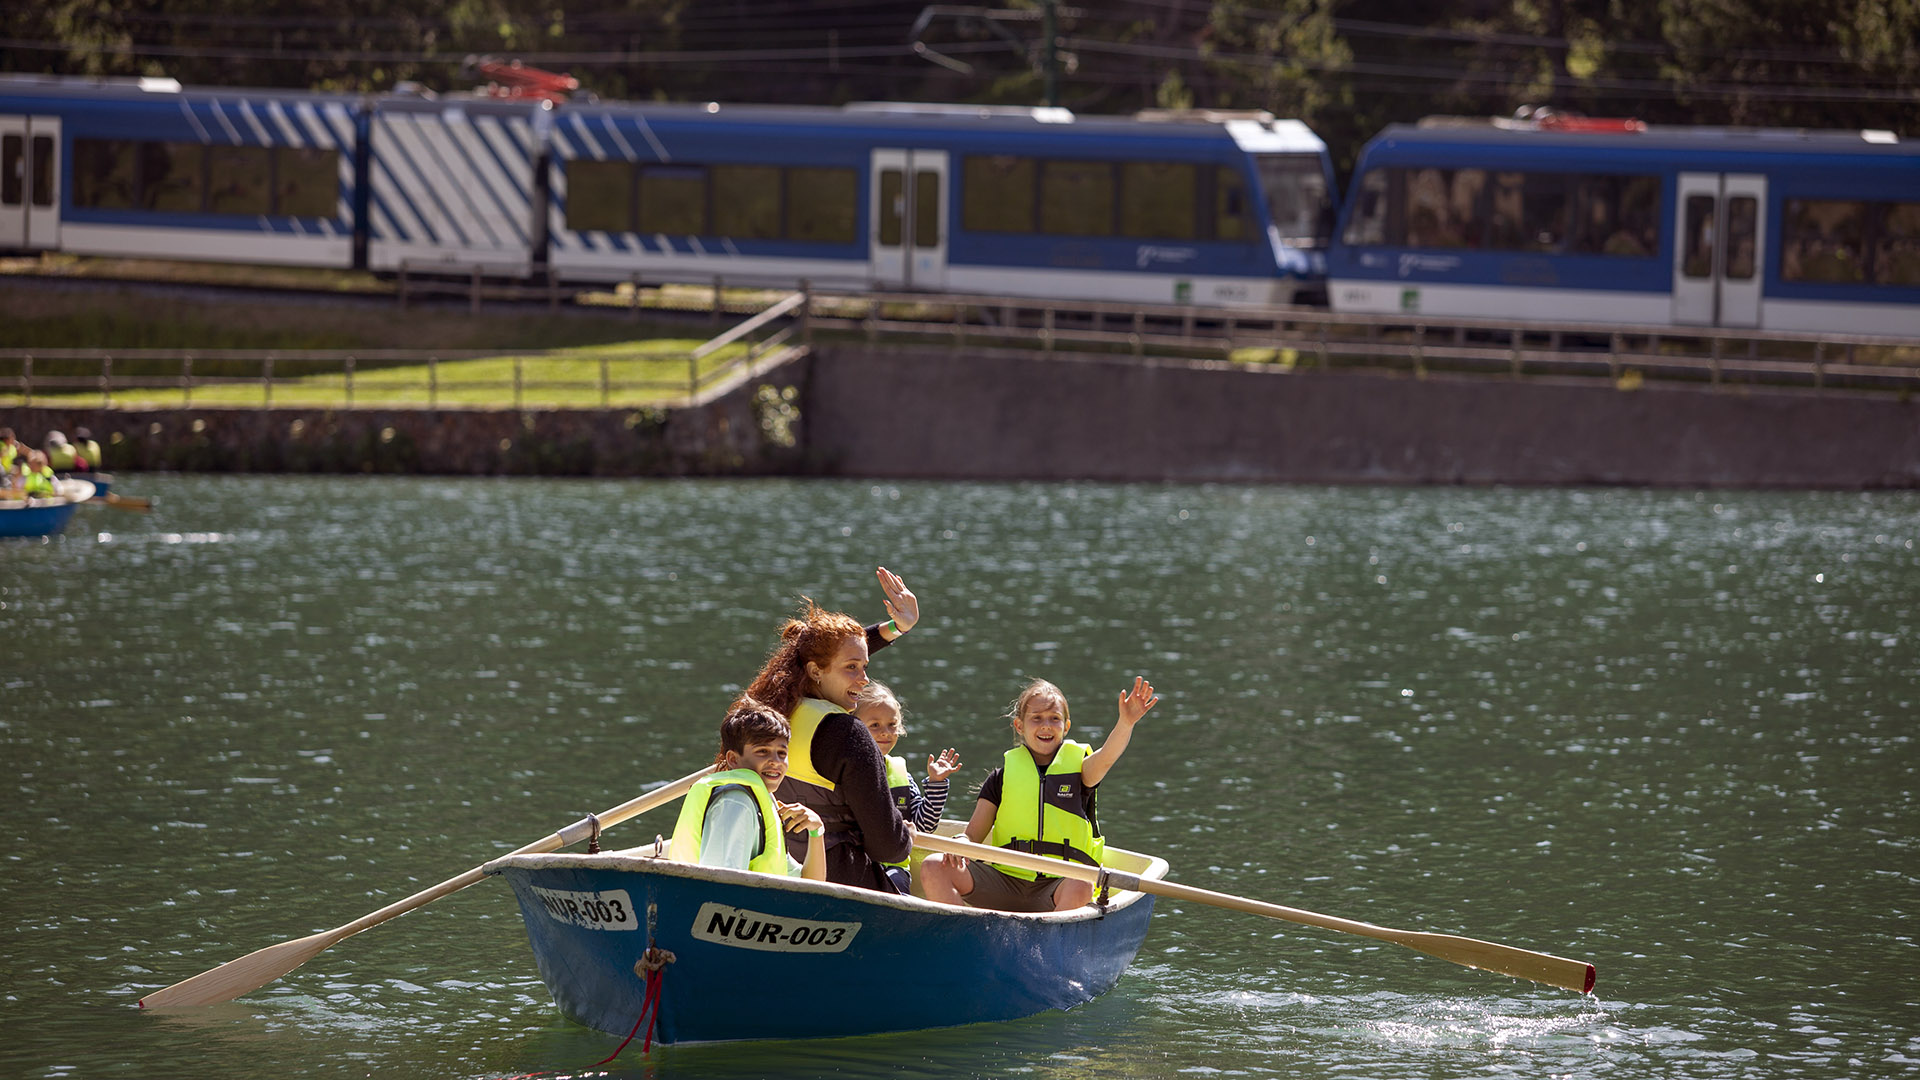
944 882
1072 893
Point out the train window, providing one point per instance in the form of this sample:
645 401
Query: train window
1615 215
104 173
172 176
1443 207
43 170
746 202
1372 203
599 196
240 180
1743 212
1298 200
1825 240
996 193
1230 220
1896 258
1076 198
1158 200
1528 212
1696 259
673 201
926 209
822 205
13 151
892 183
306 181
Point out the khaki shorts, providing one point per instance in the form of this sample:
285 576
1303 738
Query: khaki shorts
998 891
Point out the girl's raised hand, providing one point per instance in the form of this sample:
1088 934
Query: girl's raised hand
902 606
1135 703
945 765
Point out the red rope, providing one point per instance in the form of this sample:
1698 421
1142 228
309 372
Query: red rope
649 1006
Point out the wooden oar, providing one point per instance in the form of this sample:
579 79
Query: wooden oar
1486 955
127 502
256 969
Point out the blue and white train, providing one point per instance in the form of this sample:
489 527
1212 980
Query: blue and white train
1227 210
1576 220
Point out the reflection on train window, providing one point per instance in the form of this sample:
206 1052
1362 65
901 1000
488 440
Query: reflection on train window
1371 211
599 196
172 176
240 180
1444 209
1230 220
821 205
997 193
1528 211
892 186
746 202
1697 257
1076 198
1743 213
1896 259
1298 201
307 181
104 173
926 208
673 201
1616 215
1158 200
1825 241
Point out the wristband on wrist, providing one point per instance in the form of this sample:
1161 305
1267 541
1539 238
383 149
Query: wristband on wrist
816 833
897 632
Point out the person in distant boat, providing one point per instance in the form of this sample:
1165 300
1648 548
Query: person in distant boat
730 818
59 451
10 449
880 711
37 483
86 451
814 678
1039 801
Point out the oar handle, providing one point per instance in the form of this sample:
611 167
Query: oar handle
1577 975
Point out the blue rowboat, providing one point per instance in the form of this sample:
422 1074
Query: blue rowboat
908 963
44 517
102 482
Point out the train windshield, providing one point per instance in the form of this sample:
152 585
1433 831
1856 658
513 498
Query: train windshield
1298 199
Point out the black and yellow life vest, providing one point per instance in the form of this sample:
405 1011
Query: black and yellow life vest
805 721
771 858
1051 815
900 786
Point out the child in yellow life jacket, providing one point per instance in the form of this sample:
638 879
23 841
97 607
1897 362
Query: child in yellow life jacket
730 817
1039 801
37 481
880 711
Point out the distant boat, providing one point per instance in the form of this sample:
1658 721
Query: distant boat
764 957
44 517
102 482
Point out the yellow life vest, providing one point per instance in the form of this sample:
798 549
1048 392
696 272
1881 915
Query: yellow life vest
805 721
900 785
1050 816
38 483
772 856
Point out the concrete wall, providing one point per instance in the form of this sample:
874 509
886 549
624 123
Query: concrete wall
881 413
869 413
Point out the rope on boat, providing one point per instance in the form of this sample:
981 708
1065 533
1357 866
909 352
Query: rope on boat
652 965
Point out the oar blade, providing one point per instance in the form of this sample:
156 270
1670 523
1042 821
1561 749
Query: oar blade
1575 975
236 977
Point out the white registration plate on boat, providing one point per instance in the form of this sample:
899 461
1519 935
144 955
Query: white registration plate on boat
610 910
745 929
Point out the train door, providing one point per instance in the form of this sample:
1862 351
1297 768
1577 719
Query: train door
1720 235
30 182
909 219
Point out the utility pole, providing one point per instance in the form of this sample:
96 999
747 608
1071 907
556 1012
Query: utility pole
1049 56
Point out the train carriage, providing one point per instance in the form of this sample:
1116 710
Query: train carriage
143 167
1575 220
1011 201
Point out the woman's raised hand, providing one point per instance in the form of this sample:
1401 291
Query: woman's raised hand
902 606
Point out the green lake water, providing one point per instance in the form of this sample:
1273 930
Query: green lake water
1671 732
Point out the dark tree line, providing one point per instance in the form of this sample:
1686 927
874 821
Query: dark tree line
1345 66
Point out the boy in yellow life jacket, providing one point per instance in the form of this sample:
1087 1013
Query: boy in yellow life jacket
1041 802
885 720
730 817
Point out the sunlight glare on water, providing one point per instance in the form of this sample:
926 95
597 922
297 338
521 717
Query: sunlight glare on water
1669 732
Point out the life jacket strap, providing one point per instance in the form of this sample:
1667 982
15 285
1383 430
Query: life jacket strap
1052 850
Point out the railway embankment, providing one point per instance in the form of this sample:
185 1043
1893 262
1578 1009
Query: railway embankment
860 411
